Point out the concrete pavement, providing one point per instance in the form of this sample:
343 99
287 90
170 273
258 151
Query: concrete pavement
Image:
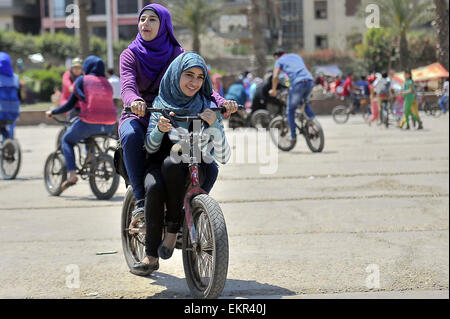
367 218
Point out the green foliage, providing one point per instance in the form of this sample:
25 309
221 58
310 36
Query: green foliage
58 45
15 42
42 82
376 49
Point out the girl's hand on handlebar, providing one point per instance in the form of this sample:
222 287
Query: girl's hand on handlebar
209 116
48 114
231 107
164 124
138 107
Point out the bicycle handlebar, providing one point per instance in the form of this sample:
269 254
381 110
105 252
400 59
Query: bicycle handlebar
180 118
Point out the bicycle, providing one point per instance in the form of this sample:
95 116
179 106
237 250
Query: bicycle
103 179
10 155
105 145
341 113
203 238
310 129
430 108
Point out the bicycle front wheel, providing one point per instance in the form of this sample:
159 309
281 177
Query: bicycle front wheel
55 173
10 160
279 133
340 114
206 266
103 178
314 136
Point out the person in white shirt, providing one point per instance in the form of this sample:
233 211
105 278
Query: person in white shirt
115 83
443 101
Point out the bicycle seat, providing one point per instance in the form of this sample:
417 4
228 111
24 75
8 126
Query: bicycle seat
92 137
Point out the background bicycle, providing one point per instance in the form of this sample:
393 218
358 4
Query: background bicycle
10 155
310 129
99 170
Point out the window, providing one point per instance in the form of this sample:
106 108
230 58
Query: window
320 9
59 8
98 7
291 23
127 32
126 7
321 41
99 32
351 6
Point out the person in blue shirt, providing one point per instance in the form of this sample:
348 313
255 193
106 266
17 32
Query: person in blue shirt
362 83
301 84
9 95
236 92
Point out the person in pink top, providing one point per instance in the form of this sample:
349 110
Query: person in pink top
68 81
94 95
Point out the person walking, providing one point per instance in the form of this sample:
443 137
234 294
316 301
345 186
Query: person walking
409 94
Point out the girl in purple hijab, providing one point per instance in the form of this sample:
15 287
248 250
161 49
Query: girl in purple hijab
142 66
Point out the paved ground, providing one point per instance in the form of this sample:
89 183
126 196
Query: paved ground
367 218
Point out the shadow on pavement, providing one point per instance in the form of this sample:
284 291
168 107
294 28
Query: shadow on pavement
178 288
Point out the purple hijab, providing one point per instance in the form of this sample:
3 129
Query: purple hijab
154 55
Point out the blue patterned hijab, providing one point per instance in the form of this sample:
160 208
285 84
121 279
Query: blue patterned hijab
171 97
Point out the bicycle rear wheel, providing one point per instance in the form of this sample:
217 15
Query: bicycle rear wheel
11 158
133 241
340 114
206 266
260 119
55 173
314 136
103 178
280 133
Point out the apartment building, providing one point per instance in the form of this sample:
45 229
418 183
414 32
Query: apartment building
332 24
123 17
306 25
20 15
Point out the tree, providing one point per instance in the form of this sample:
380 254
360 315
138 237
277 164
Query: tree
441 24
84 6
257 26
376 50
401 16
196 15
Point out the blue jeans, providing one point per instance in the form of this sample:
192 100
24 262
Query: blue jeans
299 94
78 131
8 131
442 102
132 135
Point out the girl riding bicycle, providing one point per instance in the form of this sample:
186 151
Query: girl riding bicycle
185 89
97 112
142 66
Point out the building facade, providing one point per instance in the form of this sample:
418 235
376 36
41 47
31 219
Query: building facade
20 15
301 25
56 13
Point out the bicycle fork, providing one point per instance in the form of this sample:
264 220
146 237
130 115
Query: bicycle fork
190 194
